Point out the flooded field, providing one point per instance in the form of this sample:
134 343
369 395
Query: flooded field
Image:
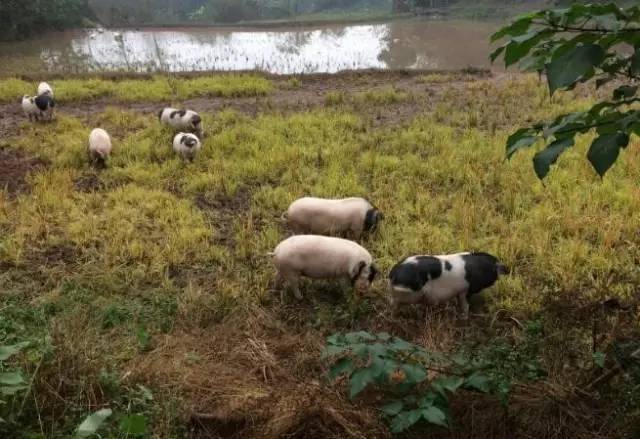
406 44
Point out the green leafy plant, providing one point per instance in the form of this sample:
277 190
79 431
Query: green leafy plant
576 45
92 423
133 425
11 380
419 382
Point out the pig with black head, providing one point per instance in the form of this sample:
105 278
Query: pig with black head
324 216
432 280
182 120
187 145
322 257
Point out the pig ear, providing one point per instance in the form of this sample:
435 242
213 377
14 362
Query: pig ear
357 270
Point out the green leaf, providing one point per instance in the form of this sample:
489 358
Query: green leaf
427 400
516 28
378 349
543 160
11 378
625 92
356 337
577 63
92 423
8 351
405 420
398 344
451 384
361 350
477 381
392 408
134 425
496 53
345 365
520 46
415 373
604 151
359 380
522 138
435 416
11 390
336 339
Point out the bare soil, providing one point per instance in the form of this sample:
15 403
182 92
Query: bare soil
14 169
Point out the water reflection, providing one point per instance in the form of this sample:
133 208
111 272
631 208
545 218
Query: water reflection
395 45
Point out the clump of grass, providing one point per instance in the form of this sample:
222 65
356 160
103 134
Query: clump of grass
227 86
154 90
334 98
12 89
294 82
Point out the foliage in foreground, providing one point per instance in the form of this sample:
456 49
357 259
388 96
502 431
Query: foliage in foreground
420 383
576 45
12 383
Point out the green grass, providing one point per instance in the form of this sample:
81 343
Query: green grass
157 275
160 88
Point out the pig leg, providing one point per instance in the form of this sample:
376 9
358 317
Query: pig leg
393 302
294 284
279 285
464 304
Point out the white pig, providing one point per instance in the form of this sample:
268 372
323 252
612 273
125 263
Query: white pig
322 257
99 146
332 216
434 280
44 88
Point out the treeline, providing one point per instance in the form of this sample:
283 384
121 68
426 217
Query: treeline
21 19
126 12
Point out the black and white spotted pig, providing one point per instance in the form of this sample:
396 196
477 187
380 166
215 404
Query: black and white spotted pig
38 107
433 280
181 120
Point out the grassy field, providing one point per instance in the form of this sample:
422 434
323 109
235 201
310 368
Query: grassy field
145 287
